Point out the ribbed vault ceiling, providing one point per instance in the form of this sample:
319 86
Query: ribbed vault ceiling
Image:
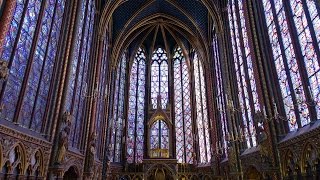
142 22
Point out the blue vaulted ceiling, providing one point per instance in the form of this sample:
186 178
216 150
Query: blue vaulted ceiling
192 13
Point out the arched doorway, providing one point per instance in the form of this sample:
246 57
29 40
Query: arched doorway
253 174
71 174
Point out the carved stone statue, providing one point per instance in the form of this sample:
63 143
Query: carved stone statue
63 144
4 71
66 119
92 152
261 134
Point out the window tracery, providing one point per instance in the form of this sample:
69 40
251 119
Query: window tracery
159 78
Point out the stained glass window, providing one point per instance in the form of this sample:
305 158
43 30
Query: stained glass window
247 88
30 67
182 104
135 134
159 78
159 138
220 97
77 85
118 112
295 61
201 111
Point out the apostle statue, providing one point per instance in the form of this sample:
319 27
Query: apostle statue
63 144
92 151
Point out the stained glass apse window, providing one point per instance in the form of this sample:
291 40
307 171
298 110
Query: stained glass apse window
221 145
159 138
201 112
159 78
296 56
118 111
159 130
136 112
30 67
182 104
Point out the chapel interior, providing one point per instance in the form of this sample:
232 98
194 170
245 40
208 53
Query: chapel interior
159 89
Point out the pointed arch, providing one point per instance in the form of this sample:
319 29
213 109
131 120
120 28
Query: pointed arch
136 109
182 104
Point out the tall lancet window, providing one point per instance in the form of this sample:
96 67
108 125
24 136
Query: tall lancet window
247 89
159 139
135 138
159 78
118 112
296 55
182 104
220 98
201 112
30 49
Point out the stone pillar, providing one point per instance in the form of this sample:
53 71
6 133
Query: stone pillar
5 19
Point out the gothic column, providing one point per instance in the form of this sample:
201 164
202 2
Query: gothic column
5 19
96 60
65 54
229 85
268 146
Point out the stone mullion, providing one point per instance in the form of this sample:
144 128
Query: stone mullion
264 91
136 107
229 82
300 61
5 20
147 103
171 95
182 108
